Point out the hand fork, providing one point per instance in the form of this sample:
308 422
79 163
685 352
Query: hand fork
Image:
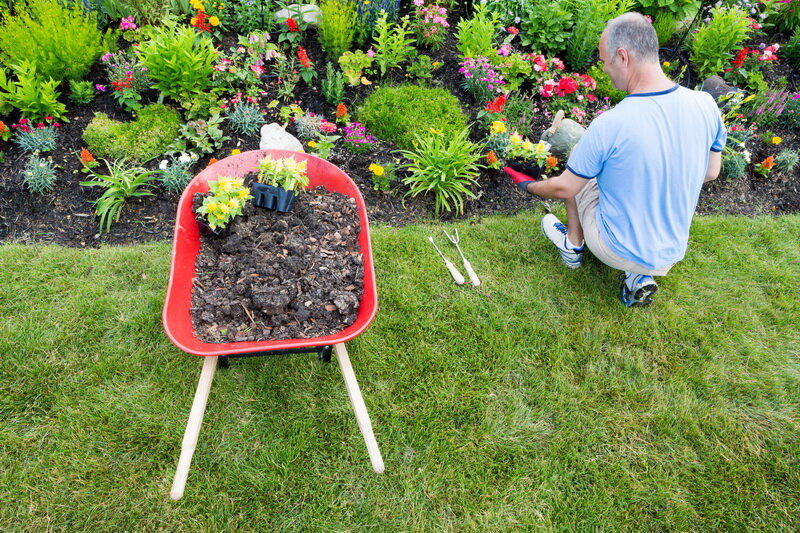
459 279
473 277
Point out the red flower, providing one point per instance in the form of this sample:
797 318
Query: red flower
566 85
512 30
200 21
491 157
741 55
303 56
496 105
292 25
341 111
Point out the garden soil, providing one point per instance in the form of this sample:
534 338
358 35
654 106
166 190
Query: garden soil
279 276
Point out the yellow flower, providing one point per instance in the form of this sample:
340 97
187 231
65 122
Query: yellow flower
243 193
777 140
497 127
376 169
666 64
193 21
435 131
235 151
516 138
224 208
527 145
212 206
234 203
312 144
214 20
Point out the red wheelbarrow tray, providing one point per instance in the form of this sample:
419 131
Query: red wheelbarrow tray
186 245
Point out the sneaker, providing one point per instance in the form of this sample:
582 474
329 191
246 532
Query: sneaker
553 229
636 290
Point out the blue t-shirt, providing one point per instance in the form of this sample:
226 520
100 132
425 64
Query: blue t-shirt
649 155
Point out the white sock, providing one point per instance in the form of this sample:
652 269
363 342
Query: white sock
570 245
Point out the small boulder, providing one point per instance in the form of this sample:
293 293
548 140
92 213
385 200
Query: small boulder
717 87
562 135
274 137
311 13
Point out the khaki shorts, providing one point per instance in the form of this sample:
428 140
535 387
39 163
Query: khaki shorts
587 200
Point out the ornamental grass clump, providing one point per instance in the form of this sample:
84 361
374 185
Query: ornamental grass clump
284 172
445 166
245 118
226 200
39 174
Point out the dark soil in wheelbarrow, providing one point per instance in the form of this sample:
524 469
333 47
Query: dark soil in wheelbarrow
280 276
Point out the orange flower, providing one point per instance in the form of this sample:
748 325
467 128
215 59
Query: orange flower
768 163
212 161
491 157
4 128
341 111
86 156
551 162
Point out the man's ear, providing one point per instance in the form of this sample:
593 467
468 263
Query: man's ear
624 55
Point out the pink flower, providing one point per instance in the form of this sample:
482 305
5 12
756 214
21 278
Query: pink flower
328 127
548 88
504 50
558 63
370 53
539 63
105 57
101 88
127 24
419 2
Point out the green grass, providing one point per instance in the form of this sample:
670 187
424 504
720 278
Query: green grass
535 401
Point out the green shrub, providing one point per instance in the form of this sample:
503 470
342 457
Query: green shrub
333 85
520 111
396 114
546 26
393 44
60 37
475 35
790 53
179 61
337 29
32 95
713 43
445 166
138 141
790 118
590 18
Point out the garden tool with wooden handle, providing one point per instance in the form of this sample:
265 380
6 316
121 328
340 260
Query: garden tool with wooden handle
459 279
473 277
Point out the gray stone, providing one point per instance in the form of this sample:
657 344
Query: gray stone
274 137
716 87
563 135
311 13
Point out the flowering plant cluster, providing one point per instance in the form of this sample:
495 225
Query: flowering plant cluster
202 20
290 30
481 78
512 145
39 137
284 172
226 201
570 93
307 71
239 71
356 138
429 25
127 23
88 161
747 66
5 131
765 166
493 110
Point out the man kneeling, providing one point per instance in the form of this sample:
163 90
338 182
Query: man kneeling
632 182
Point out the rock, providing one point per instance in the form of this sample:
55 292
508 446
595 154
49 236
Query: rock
716 87
274 137
311 13
562 135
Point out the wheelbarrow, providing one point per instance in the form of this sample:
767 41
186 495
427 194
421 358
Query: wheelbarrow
178 324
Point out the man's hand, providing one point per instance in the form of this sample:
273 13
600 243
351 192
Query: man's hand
522 174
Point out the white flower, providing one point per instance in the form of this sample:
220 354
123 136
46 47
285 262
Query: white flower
185 158
163 164
746 155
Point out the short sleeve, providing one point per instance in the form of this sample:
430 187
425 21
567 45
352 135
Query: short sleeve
722 135
589 154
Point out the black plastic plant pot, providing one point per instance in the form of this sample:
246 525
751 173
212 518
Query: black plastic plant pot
208 231
271 197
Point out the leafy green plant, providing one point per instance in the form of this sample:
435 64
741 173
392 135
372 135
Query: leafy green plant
41 138
590 18
734 165
225 201
397 114
332 85
140 140
393 44
179 61
284 172
382 176
34 97
245 118
547 26
519 112
422 68
337 29
475 35
307 125
81 92
353 65
665 23
790 52
713 43
200 136
39 174
516 70
122 183
786 160
443 165
790 118
253 15
60 38
286 69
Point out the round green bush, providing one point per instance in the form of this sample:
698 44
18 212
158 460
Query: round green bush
140 140
396 114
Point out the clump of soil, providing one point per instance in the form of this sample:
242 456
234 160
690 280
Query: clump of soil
280 276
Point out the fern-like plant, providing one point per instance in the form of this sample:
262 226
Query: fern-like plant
393 44
337 29
475 35
445 166
36 98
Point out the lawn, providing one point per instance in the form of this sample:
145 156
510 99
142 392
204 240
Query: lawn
535 401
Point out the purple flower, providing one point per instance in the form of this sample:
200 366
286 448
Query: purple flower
101 88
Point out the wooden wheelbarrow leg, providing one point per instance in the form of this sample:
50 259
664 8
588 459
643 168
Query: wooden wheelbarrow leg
359 408
193 426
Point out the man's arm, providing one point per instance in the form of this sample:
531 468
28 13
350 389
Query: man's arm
566 185
714 166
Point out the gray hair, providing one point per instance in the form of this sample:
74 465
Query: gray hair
633 32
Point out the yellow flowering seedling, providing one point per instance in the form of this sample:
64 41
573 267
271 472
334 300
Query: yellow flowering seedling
228 198
284 172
